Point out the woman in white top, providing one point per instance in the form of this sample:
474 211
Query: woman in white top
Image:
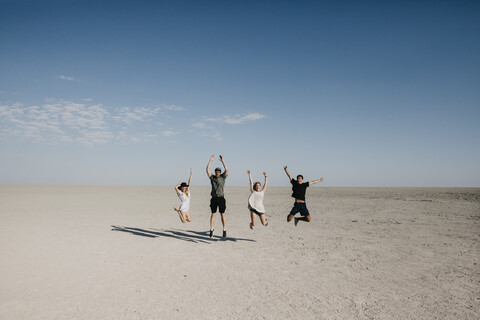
255 201
183 192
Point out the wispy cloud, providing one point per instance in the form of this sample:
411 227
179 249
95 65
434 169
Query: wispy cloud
129 115
90 138
60 121
200 125
208 126
213 134
65 78
171 108
65 121
168 133
237 119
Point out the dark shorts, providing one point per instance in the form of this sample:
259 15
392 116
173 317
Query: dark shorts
218 202
300 207
255 211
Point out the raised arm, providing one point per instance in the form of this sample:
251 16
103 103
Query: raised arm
266 181
288 173
251 182
176 189
190 178
209 173
225 173
316 181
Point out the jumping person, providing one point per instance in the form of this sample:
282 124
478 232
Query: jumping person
255 201
183 192
218 200
299 189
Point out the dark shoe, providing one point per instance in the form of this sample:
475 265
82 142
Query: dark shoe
296 221
211 233
224 233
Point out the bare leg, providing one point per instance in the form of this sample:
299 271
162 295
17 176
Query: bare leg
263 220
289 217
224 223
180 214
188 217
252 215
306 219
212 221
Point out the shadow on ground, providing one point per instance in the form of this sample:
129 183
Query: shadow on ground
185 235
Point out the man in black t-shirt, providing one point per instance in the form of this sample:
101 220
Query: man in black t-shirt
299 189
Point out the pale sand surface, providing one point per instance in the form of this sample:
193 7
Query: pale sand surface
76 252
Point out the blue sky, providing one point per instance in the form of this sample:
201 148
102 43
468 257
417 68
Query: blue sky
364 93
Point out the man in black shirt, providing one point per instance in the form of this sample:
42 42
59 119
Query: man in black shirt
299 189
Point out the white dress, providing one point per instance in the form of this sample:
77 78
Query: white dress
255 201
185 201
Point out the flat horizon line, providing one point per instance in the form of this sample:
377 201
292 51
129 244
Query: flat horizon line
232 186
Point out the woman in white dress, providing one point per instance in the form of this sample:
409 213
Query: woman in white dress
255 201
183 192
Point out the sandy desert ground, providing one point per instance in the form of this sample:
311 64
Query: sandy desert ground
91 252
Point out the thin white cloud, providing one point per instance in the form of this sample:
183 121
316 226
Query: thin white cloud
207 128
129 115
90 138
237 119
142 114
172 108
66 78
253 117
216 135
168 133
200 125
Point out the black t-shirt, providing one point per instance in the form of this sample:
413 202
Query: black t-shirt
299 189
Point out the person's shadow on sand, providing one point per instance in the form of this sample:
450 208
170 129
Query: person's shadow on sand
186 235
